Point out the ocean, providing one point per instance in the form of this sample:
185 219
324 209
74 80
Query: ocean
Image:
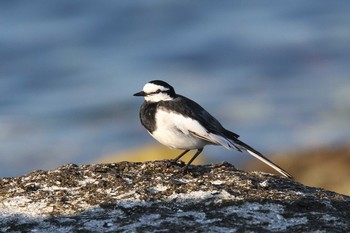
275 72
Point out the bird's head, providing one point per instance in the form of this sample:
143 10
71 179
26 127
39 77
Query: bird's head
156 91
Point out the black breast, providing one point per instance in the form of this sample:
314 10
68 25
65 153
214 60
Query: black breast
147 116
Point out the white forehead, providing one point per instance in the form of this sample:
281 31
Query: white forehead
151 87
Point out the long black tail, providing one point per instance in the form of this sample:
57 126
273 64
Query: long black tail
242 146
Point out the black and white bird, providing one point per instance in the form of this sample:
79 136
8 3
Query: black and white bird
178 122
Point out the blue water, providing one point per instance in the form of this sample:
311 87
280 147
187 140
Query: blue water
275 72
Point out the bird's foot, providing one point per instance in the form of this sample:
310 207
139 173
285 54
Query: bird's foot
184 170
173 162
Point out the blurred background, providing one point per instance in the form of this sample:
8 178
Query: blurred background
275 72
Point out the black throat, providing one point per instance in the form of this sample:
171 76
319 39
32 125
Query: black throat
148 115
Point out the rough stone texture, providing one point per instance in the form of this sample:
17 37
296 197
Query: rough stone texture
156 197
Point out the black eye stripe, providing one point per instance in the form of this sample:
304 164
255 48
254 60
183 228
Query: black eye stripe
157 91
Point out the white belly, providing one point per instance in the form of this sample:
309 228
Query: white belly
173 131
178 140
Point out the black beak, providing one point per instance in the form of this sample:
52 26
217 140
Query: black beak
141 93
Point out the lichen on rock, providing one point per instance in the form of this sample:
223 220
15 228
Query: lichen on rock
151 196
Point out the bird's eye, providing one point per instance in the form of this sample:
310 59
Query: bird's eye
158 91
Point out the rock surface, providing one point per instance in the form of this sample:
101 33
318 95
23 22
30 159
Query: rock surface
325 167
156 197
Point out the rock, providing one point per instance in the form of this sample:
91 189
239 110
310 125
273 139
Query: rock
155 196
323 167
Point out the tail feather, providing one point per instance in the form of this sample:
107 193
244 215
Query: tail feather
271 164
242 146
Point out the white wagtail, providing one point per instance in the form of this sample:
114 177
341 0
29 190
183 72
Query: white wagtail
178 122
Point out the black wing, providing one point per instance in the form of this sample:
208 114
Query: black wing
188 107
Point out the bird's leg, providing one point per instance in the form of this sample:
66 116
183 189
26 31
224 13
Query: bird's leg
193 158
179 156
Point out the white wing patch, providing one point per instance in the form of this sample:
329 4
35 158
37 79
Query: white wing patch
178 131
214 139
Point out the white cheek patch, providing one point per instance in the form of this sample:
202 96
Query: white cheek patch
157 97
